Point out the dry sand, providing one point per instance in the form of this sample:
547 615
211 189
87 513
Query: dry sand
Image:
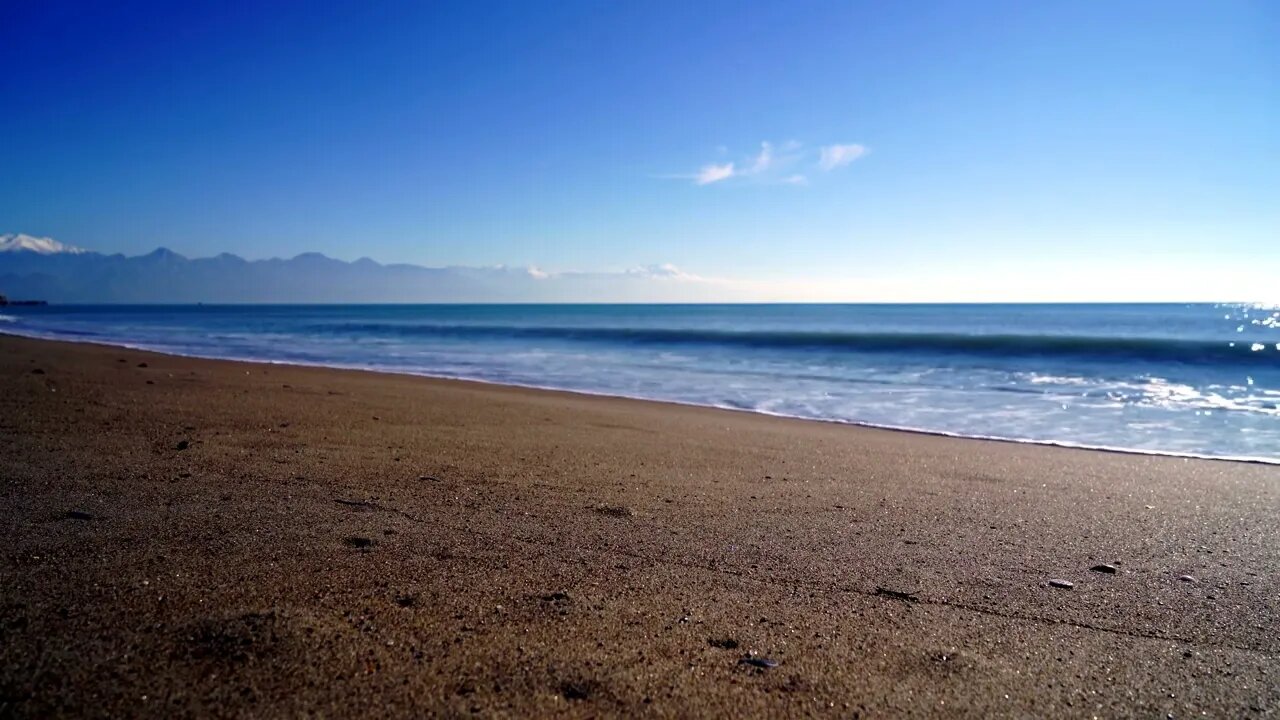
195 537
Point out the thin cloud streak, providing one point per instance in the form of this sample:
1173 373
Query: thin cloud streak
834 156
714 173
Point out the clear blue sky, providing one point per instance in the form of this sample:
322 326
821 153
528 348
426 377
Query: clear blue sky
993 139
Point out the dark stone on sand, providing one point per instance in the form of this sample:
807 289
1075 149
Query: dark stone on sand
183 444
577 690
618 511
151 382
1064 584
406 600
758 662
37 371
360 543
78 515
559 602
142 365
724 643
1105 568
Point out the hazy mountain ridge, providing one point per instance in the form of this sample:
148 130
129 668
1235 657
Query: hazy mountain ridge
48 270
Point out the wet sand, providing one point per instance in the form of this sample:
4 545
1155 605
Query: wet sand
193 537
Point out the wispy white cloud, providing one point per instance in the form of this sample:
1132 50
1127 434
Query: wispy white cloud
834 156
714 173
764 160
664 271
776 164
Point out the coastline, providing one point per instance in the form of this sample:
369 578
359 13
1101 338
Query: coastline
282 539
551 388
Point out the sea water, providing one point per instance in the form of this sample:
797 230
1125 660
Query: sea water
1196 379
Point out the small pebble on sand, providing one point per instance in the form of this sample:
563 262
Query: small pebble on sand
1064 584
1105 568
1187 578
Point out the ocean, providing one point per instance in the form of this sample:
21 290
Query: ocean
1198 379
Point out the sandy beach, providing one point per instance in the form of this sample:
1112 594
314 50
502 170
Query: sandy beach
193 537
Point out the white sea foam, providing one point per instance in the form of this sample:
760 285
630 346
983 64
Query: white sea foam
1118 403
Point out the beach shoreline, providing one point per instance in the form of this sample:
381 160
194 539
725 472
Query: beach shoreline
638 398
193 536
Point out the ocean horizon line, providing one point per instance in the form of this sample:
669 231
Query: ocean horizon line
727 303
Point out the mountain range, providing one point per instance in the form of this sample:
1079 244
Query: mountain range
45 269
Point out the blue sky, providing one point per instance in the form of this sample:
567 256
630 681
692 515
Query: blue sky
1006 146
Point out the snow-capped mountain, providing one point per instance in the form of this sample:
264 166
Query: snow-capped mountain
41 245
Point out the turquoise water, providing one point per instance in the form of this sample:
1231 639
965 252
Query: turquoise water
1180 379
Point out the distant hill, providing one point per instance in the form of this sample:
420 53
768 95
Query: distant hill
42 268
